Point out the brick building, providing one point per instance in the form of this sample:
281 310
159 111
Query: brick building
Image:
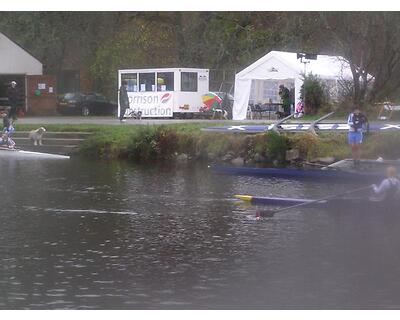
38 92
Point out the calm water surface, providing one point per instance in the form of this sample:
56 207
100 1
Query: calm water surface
92 235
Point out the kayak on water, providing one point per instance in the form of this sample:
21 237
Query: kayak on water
294 173
362 203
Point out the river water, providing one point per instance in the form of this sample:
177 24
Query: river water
102 235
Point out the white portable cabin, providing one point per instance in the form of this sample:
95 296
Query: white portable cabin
165 92
259 82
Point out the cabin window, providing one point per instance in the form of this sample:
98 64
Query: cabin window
147 82
189 81
131 79
165 81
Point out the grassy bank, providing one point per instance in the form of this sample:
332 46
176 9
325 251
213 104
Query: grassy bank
187 141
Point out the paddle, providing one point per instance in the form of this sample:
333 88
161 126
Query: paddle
271 213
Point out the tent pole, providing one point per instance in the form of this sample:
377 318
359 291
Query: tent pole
304 83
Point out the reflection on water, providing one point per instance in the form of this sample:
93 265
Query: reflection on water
87 235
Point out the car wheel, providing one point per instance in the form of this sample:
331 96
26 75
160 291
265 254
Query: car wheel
85 111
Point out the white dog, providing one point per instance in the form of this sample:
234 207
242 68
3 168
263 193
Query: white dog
220 113
36 136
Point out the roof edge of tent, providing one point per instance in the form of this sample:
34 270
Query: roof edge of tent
265 58
275 54
255 64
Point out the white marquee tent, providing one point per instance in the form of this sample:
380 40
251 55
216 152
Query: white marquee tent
284 66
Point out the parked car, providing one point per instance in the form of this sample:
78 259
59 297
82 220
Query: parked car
86 104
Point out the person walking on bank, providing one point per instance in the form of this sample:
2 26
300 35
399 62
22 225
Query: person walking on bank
123 100
284 93
13 100
357 121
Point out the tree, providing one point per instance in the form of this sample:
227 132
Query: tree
102 42
61 40
140 46
371 43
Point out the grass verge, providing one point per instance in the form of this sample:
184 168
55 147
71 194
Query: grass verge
164 142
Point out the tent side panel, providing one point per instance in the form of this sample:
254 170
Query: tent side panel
269 69
242 95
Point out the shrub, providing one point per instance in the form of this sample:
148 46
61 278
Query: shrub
166 142
383 145
306 144
142 145
316 93
311 146
220 144
187 143
271 145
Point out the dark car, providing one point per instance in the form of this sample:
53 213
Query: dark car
86 104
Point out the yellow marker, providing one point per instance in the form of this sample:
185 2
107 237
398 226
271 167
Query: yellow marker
243 197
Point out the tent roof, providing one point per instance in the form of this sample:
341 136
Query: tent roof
328 67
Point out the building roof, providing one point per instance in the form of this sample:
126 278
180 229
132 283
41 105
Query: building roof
22 47
14 59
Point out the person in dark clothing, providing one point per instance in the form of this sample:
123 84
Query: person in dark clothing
123 100
13 100
284 93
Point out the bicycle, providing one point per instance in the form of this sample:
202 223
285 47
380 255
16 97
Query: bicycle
131 113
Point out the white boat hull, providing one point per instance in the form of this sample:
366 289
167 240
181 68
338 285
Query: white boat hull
23 154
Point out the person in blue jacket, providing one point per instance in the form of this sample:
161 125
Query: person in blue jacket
357 122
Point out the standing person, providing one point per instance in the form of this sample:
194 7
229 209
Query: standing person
13 100
285 98
123 100
389 187
357 121
299 110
